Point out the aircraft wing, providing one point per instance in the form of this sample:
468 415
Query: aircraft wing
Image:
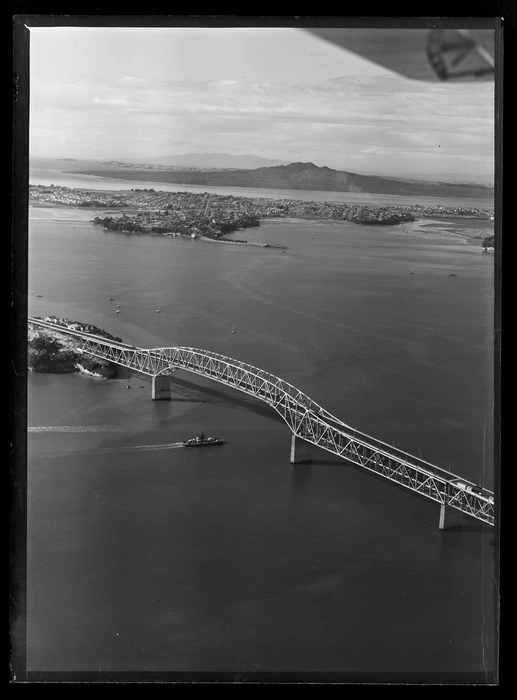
420 54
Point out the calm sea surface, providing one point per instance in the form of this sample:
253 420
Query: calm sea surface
144 556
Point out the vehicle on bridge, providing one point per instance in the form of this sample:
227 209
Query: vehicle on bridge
472 488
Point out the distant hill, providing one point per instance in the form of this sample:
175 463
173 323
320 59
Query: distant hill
303 176
217 161
464 178
485 180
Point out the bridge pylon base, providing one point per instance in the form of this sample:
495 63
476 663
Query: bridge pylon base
449 517
161 388
300 451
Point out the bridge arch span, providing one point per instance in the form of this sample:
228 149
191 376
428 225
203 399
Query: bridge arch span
307 420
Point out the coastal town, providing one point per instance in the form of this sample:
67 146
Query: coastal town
212 215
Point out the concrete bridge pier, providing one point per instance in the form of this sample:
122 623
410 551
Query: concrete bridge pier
300 450
449 517
161 388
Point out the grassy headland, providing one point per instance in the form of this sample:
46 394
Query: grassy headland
50 351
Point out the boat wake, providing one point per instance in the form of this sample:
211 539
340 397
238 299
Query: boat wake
76 429
103 429
141 448
165 446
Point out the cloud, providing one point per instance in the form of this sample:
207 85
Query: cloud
132 80
373 117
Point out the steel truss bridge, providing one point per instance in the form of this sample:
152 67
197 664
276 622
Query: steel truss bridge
307 420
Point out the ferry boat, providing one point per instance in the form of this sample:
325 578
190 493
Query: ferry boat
202 441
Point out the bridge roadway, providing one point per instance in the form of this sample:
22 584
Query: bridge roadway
309 422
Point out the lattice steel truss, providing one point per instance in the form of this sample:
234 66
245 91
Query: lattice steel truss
305 418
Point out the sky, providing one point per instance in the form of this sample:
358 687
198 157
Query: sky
123 93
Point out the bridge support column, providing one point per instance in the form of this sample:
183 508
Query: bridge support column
449 517
161 388
300 451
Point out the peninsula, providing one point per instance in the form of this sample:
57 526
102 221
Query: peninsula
49 351
158 212
155 212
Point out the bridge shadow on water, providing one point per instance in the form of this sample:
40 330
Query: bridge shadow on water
228 397
183 390
471 526
328 462
300 476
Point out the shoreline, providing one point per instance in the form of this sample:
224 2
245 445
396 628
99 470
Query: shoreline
422 225
254 244
62 357
432 227
83 370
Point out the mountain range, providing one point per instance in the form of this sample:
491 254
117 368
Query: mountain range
217 161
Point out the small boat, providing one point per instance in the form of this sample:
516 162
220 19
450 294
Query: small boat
142 386
128 386
233 330
110 298
39 296
411 273
202 441
158 311
453 274
117 311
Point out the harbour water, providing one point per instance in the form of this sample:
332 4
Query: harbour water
143 556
